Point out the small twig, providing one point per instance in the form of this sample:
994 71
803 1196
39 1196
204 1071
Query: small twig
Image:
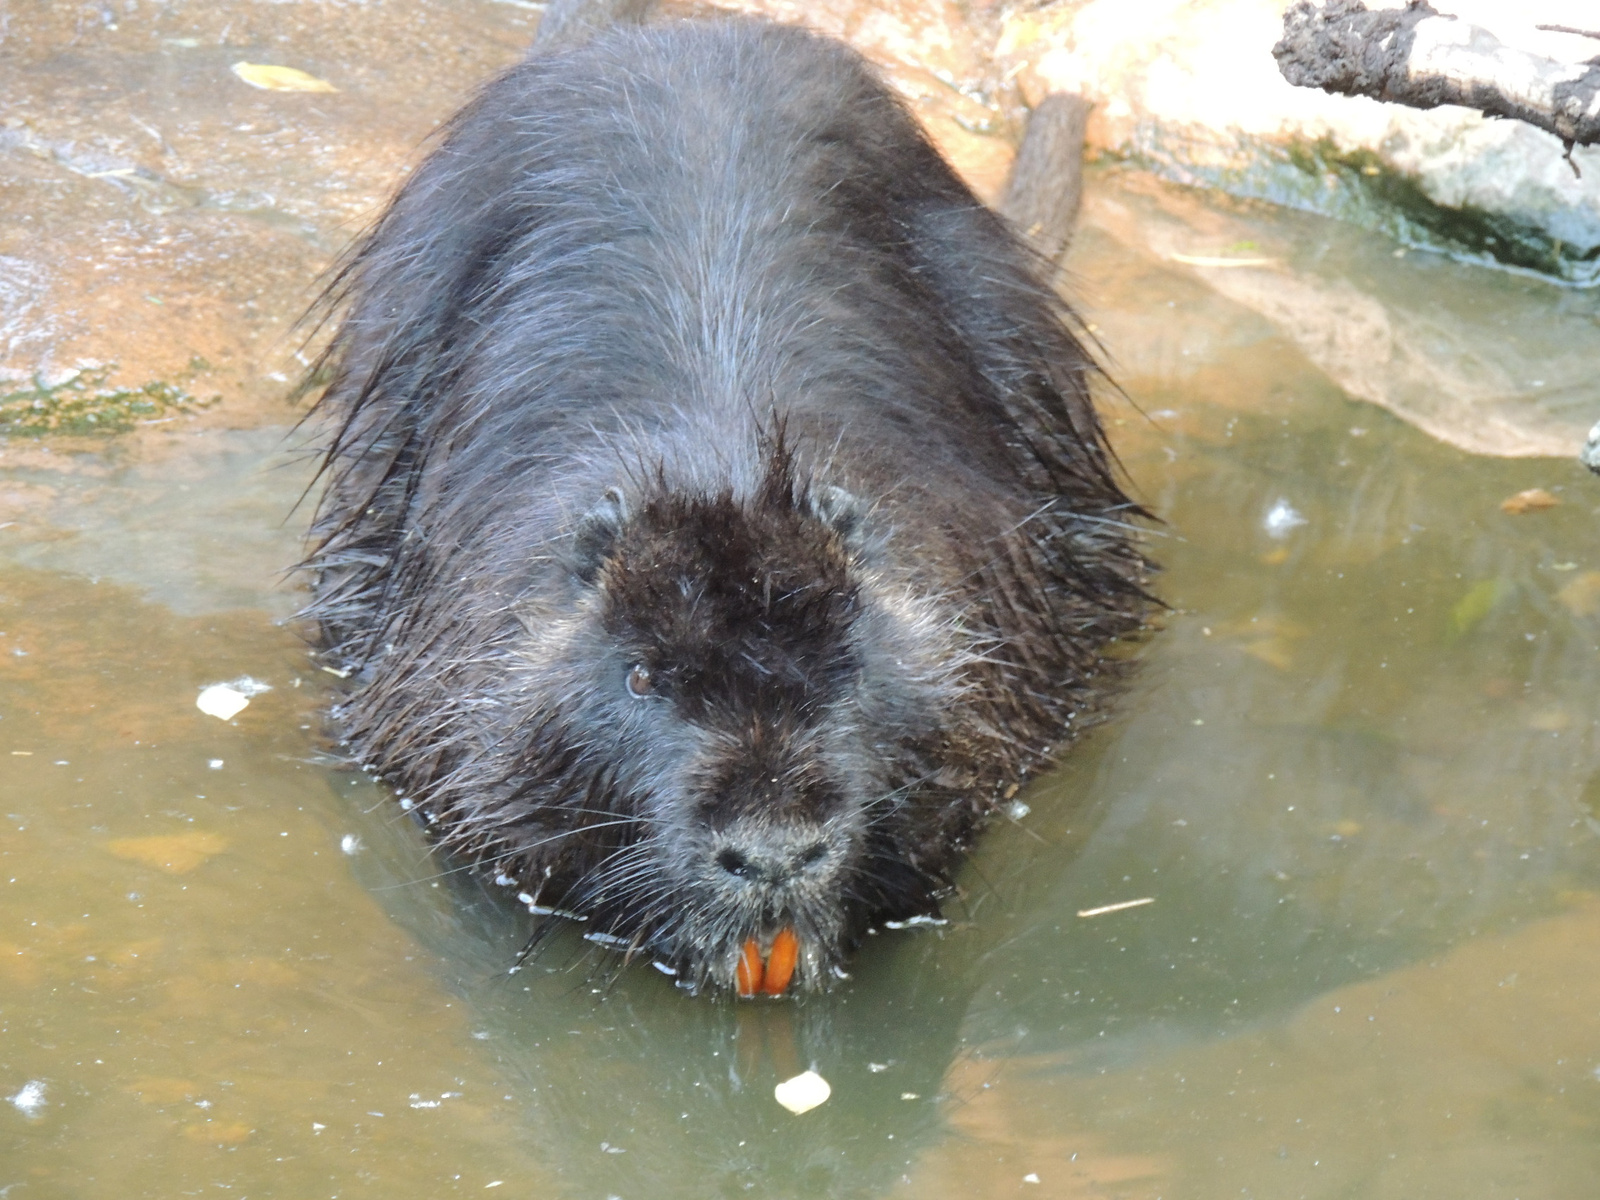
1111 908
1588 33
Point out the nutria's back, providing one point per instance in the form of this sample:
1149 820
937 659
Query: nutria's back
717 519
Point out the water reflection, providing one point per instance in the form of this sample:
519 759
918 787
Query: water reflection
633 1088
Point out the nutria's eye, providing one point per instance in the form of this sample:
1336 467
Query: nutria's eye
639 684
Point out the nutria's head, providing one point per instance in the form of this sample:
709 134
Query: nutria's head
731 712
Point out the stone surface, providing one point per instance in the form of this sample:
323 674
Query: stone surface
160 216
164 220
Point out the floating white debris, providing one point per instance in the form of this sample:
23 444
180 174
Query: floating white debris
803 1092
610 940
1030 1177
1016 810
505 880
30 1098
222 702
914 922
910 1096
544 910
215 764
664 969
350 844
1281 518
1117 907
227 700
876 1067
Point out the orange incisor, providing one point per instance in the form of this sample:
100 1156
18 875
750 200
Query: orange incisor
772 976
750 972
780 962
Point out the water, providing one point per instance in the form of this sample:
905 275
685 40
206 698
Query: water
1356 775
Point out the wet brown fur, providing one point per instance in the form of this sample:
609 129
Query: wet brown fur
684 351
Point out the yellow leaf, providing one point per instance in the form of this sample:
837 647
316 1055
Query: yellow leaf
177 854
1532 500
1478 604
280 79
1275 652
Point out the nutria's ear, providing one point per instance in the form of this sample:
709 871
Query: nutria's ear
597 534
840 511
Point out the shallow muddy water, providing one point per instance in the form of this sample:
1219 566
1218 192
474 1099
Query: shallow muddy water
1356 778
1356 775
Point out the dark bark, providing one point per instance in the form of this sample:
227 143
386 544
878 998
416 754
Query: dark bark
1395 55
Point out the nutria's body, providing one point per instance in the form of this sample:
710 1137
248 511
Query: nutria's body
717 522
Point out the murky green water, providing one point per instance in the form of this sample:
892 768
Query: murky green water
1357 777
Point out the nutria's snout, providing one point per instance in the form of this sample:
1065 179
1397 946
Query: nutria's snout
778 877
755 857
767 904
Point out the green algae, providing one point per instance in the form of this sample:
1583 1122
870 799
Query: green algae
86 403
1359 186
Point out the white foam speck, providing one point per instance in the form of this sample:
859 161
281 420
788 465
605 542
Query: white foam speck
1281 518
913 922
29 1098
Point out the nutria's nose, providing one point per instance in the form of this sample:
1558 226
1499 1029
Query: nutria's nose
772 858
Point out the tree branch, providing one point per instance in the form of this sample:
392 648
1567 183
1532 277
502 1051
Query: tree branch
1419 57
1588 33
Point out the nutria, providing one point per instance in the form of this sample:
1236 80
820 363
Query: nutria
717 524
